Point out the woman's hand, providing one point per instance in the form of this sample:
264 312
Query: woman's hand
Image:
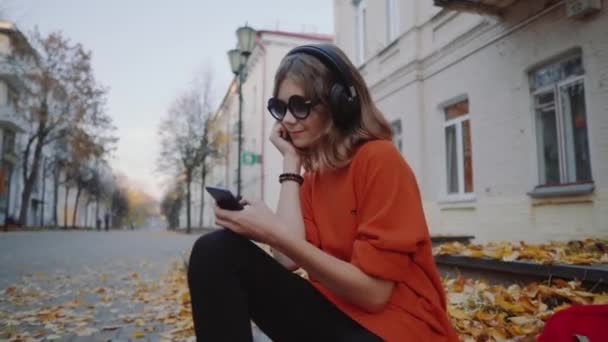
256 221
279 138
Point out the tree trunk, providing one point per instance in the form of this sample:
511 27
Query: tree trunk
55 194
96 208
29 179
65 207
78 192
43 204
86 214
188 183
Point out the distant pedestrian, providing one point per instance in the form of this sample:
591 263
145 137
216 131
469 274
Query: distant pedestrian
98 224
106 218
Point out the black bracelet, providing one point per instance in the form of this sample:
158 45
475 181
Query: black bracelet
291 177
283 179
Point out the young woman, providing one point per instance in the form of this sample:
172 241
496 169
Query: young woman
353 221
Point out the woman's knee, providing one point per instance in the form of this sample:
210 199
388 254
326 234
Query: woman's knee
217 248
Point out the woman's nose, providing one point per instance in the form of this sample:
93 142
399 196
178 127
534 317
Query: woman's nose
289 118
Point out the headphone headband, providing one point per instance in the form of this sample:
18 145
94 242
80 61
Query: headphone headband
331 60
342 99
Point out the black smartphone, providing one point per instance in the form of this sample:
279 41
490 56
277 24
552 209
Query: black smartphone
224 198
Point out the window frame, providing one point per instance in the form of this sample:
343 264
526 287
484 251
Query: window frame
392 20
461 195
561 140
360 30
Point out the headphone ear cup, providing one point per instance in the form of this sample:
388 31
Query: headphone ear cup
341 107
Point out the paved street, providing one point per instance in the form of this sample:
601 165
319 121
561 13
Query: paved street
92 285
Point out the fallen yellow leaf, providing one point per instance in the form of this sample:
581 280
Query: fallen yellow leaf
457 313
138 334
600 299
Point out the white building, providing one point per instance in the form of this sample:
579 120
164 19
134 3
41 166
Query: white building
261 162
500 107
14 132
13 126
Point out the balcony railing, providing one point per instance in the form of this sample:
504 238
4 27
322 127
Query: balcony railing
9 71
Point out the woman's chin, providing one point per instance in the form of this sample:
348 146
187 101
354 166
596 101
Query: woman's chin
300 143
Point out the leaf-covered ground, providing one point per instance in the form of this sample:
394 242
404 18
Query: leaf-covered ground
97 306
588 251
130 302
483 312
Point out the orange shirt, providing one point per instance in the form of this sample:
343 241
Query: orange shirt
370 214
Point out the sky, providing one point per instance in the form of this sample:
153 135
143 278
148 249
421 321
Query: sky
147 52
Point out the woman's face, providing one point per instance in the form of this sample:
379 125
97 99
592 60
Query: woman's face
303 133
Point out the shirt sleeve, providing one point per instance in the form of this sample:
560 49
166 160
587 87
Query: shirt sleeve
312 233
391 220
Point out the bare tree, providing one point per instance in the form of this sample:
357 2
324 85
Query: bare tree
171 204
211 151
208 143
60 94
84 151
180 135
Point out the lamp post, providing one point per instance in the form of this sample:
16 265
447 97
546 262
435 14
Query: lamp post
238 60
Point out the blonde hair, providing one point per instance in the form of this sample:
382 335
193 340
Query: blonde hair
334 148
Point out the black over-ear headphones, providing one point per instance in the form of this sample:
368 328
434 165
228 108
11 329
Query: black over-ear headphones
344 102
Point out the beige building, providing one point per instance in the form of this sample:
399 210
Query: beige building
261 162
500 107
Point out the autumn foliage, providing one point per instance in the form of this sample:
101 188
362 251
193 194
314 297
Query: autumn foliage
588 251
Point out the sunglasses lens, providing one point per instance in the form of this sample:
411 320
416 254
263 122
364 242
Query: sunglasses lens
299 107
277 108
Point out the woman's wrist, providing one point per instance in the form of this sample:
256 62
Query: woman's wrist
277 235
291 164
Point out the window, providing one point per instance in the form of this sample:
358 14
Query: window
392 20
558 92
5 44
459 155
5 179
397 138
8 142
361 29
3 94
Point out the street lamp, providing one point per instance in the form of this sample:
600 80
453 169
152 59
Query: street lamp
238 60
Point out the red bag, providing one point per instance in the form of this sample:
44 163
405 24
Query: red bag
580 323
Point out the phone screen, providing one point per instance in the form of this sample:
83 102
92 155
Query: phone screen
224 198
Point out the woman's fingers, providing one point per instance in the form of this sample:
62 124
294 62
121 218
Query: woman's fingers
277 126
225 224
246 201
223 214
231 226
278 130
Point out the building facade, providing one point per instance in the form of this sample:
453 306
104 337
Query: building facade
48 189
261 163
500 107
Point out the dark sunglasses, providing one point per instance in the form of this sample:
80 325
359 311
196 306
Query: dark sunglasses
297 105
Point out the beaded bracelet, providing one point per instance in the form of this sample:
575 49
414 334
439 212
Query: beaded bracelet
291 177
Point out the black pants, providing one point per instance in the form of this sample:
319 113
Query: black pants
232 281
